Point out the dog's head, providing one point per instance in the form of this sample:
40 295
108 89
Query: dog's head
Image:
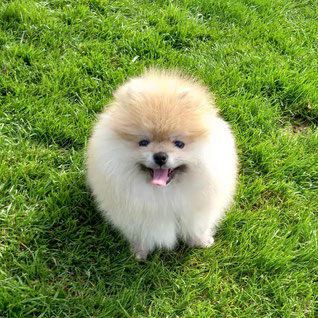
165 118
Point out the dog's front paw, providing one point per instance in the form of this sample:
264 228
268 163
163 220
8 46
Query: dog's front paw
141 254
207 242
203 242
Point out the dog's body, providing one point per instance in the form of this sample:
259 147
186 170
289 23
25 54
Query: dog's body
161 163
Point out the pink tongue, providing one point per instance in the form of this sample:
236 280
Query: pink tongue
160 177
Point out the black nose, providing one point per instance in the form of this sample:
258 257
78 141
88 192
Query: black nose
160 158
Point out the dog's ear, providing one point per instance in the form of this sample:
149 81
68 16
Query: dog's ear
122 91
134 89
183 93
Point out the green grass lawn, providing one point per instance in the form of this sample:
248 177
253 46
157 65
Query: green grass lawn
60 61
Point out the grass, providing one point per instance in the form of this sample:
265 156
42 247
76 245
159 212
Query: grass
61 60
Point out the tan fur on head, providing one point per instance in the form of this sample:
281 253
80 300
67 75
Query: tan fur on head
163 104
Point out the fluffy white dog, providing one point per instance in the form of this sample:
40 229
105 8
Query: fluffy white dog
161 162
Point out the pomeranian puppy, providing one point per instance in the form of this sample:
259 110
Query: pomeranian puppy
161 163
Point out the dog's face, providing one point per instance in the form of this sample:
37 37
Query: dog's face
164 123
163 160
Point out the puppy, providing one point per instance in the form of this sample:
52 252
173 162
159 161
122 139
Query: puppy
161 162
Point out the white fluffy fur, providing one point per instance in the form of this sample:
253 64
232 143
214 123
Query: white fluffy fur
150 217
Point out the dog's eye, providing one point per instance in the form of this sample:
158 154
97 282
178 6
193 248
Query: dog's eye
179 144
143 143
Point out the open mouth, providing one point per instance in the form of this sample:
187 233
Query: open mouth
162 176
